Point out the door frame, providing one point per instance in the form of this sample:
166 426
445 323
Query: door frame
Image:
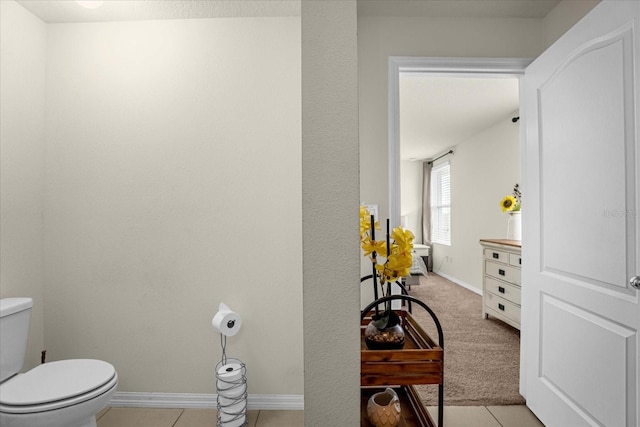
443 67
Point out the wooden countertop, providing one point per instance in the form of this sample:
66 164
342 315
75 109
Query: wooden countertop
515 243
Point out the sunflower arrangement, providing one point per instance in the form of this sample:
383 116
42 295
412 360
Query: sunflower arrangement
513 201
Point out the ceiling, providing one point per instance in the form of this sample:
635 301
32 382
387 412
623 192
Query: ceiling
52 11
458 8
66 11
436 113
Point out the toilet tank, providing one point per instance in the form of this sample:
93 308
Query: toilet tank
15 315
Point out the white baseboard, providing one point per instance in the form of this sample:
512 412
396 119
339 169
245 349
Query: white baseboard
459 282
125 399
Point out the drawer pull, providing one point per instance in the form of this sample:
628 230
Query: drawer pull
501 289
501 272
501 307
496 255
519 261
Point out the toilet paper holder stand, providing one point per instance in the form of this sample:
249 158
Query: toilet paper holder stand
231 382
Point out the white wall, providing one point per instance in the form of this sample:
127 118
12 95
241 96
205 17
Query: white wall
484 169
22 92
173 182
411 196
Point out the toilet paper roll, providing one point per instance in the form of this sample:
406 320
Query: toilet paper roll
233 411
229 374
231 394
225 402
226 321
229 421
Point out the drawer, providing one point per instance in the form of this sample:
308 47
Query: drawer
502 289
515 260
496 255
502 307
502 272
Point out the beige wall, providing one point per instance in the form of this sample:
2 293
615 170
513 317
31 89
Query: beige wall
564 16
172 183
22 91
330 213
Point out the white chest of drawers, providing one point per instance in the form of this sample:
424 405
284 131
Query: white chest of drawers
501 260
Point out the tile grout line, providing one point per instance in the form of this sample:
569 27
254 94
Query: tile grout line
103 413
178 419
494 417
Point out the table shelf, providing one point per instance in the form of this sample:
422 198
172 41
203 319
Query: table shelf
413 412
420 361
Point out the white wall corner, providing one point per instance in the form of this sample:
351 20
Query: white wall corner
459 282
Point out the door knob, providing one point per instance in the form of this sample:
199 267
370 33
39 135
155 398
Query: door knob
635 282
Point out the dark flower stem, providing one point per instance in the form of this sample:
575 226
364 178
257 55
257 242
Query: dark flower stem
373 264
388 303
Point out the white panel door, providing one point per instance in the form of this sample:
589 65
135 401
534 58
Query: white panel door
581 165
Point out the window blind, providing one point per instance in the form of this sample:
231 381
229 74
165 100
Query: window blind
441 203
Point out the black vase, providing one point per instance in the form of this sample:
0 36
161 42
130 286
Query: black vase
384 332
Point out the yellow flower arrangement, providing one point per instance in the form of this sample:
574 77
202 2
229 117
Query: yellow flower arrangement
396 248
512 202
385 328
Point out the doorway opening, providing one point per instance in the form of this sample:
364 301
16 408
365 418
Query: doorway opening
433 67
407 77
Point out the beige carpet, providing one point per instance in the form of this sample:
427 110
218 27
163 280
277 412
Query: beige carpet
481 356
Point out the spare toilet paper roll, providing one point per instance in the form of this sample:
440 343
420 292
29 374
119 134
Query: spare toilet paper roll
233 411
225 401
226 321
232 420
229 374
228 393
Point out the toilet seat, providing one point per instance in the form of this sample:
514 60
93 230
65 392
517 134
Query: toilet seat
56 385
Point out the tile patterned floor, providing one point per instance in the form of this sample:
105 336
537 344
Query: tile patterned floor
455 416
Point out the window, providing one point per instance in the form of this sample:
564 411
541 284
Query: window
441 204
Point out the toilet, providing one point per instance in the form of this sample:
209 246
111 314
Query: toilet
65 393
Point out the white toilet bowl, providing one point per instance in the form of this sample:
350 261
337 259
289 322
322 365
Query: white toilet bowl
66 393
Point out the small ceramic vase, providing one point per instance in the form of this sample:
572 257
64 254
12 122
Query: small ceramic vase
383 408
514 226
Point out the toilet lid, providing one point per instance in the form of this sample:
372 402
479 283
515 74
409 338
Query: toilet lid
56 381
